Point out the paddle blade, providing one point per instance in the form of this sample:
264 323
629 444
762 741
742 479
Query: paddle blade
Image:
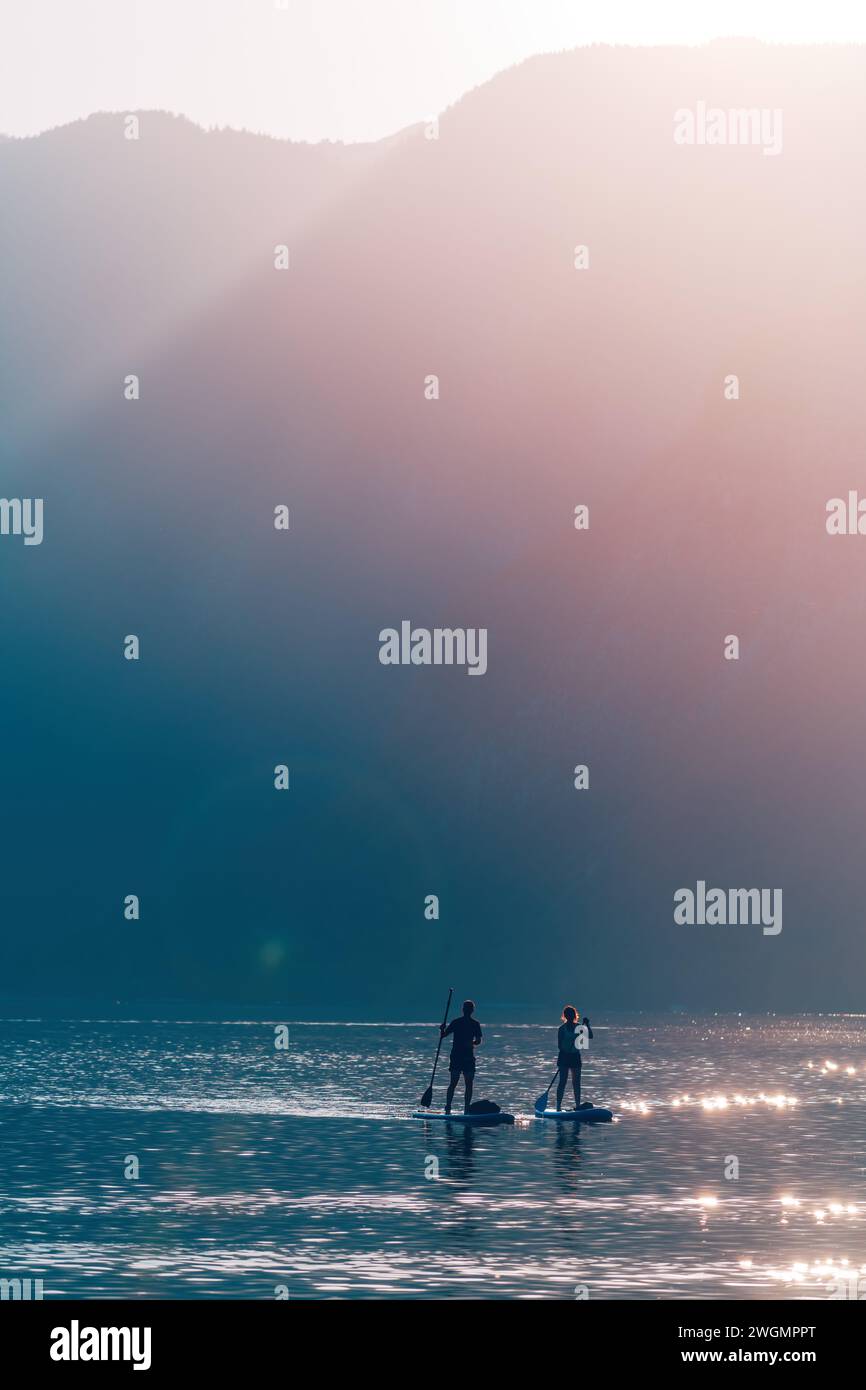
541 1103
427 1099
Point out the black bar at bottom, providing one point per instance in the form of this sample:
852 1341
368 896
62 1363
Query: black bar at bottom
227 1338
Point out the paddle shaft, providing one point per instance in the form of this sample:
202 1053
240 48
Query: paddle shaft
441 1037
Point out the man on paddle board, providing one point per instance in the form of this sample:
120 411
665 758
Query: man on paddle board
466 1034
572 1038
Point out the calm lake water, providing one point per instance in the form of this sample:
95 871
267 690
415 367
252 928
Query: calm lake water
301 1168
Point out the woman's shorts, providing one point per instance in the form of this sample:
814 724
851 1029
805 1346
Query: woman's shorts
569 1062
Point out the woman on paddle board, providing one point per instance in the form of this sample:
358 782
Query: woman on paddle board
572 1039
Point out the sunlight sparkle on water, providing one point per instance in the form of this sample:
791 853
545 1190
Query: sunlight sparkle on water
825 1209
779 1101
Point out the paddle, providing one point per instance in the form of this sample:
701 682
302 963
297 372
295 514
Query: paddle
541 1102
427 1098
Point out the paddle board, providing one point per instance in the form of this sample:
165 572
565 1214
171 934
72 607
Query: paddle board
458 1117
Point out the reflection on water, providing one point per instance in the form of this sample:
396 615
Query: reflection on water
302 1168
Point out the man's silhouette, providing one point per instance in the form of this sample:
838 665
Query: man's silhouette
466 1032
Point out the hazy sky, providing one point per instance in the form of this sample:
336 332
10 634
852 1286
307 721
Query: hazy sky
332 69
